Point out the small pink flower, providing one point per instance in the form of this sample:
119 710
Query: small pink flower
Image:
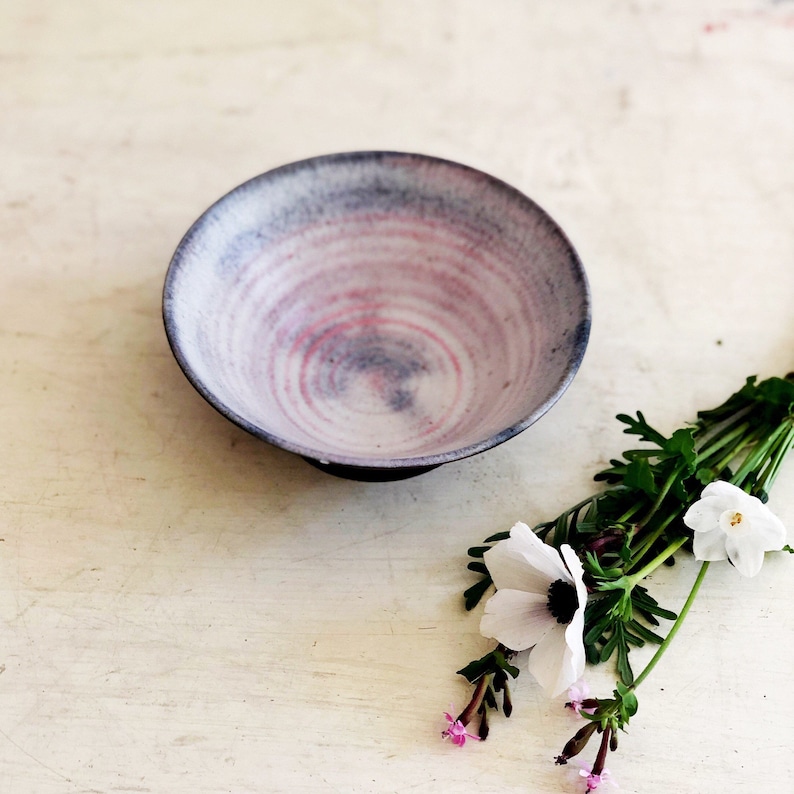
577 694
594 781
457 731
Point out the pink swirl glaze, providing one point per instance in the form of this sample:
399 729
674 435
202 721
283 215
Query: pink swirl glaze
376 308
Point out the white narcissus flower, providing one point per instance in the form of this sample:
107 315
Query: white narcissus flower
729 524
539 603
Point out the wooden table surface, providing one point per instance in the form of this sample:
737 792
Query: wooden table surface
186 609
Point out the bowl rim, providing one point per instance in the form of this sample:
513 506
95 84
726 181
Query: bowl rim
578 345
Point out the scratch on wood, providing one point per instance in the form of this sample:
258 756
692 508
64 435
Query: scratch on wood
33 758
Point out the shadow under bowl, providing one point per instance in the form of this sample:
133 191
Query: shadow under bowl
378 313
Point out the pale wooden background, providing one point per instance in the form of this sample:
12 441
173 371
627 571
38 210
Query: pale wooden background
183 608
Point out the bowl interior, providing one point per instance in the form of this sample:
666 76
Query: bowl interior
377 309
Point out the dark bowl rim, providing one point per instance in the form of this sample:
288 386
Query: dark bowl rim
579 346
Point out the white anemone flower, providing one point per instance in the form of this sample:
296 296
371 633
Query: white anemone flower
729 524
539 603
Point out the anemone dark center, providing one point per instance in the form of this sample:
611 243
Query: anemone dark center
563 601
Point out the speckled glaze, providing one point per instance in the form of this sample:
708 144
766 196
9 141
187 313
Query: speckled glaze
378 313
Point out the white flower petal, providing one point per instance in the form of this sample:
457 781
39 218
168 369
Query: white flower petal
524 562
510 570
558 661
746 553
517 615
723 490
770 529
547 663
574 565
517 619
710 545
730 523
704 514
575 657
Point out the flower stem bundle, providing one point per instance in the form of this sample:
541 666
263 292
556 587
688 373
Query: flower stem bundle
571 590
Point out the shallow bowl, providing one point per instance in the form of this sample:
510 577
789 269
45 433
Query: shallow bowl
378 313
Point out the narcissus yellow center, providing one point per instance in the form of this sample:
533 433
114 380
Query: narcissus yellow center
732 522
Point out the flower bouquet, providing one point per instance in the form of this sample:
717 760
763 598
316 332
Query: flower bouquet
571 591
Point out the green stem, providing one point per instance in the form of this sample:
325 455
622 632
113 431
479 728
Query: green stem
635 578
750 440
564 523
758 455
665 489
719 442
674 629
777 457
628 514
649 540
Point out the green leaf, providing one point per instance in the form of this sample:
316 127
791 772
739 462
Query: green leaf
597 570
493 662
560 530
778 392
649 617
597 631
478 567
645 602
596 607
614 474
640 476
736 402
473 595
623 665
475 670
639 427
623 583
705 476
631 638
503 663
679 491
682 443
645 633
628 701
609 647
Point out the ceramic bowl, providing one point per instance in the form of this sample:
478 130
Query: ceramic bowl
378 313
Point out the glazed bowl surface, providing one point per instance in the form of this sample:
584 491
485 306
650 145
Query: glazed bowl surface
378 313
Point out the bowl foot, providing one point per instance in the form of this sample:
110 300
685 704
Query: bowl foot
364 474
